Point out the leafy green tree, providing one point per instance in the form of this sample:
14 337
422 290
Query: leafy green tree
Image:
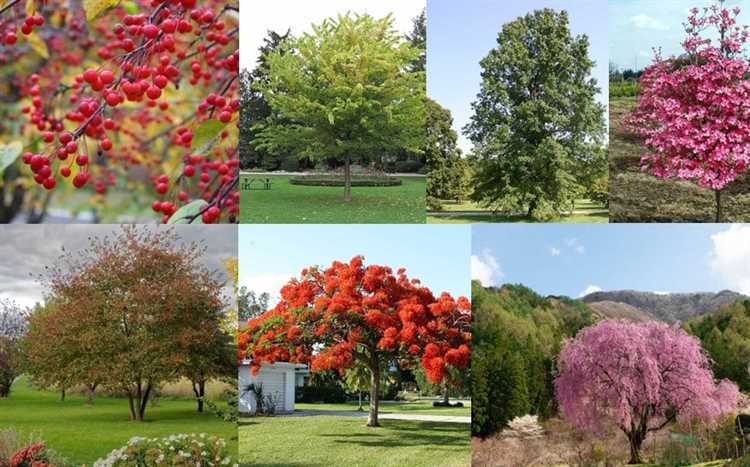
725 335
255 110
344 92
447 171
357 379
418 39
250 304
536 124
500 391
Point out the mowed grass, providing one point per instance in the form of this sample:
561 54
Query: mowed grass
580 217
422 407
285 203
639 197
331 440
83 433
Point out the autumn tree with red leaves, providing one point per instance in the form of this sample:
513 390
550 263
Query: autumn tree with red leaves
351 314
130 312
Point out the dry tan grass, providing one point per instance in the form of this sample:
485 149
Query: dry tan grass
562 445
180 389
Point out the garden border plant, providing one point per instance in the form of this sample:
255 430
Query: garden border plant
355 181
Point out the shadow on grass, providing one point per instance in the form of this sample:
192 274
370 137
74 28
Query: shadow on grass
409 434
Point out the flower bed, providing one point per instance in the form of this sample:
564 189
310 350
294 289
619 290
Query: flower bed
175 450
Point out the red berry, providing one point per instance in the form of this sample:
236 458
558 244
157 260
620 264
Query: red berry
162 188
65 172
11 38
188 171
65 137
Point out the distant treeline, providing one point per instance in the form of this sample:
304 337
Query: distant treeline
623 83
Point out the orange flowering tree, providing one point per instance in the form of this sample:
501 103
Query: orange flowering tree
351 314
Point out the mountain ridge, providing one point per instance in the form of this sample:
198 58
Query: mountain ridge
670 308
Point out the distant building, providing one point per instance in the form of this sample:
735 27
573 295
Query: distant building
278 382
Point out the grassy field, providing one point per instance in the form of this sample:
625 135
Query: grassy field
293 204
580 217
416 408
83 433
639 197
324 440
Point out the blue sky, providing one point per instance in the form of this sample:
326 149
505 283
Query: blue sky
438 255
570 259
637 26
460 34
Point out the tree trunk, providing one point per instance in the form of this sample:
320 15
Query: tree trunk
62 394
446 399
718 205
532 207
199 389
360 402
143 403
131 403
5 389
347 179
636 440
201 395
372 418
90 389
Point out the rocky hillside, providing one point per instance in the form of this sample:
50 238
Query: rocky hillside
671 308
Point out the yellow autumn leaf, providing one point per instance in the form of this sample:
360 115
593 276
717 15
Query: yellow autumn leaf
96 8
38 44
30 8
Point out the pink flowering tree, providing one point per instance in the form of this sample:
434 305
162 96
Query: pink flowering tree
638 377
694 110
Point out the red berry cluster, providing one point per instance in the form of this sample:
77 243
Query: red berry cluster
147 59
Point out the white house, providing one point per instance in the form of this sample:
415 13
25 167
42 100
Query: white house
278 381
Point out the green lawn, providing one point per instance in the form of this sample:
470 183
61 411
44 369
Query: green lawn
323 441
294 204
423 407
84 433
580 217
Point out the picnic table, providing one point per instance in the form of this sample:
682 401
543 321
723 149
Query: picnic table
264 183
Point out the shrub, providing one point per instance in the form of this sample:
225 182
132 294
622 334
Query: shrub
407 166
434 204
29 453
332 180
175 450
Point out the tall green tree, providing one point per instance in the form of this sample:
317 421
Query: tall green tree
536 123
446 170
255 110
418 39
345 91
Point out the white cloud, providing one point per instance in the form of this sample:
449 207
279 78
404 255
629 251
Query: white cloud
661 292
644 21
485 269
576 245
268 283
589 290
730 257
298 16
555 251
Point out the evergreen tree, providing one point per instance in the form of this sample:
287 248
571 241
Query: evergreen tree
446 169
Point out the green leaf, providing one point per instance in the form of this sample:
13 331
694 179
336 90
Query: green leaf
9 153
96 8
130 7
205 134
185 213
330 118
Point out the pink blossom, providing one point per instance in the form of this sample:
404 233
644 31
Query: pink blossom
694 110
